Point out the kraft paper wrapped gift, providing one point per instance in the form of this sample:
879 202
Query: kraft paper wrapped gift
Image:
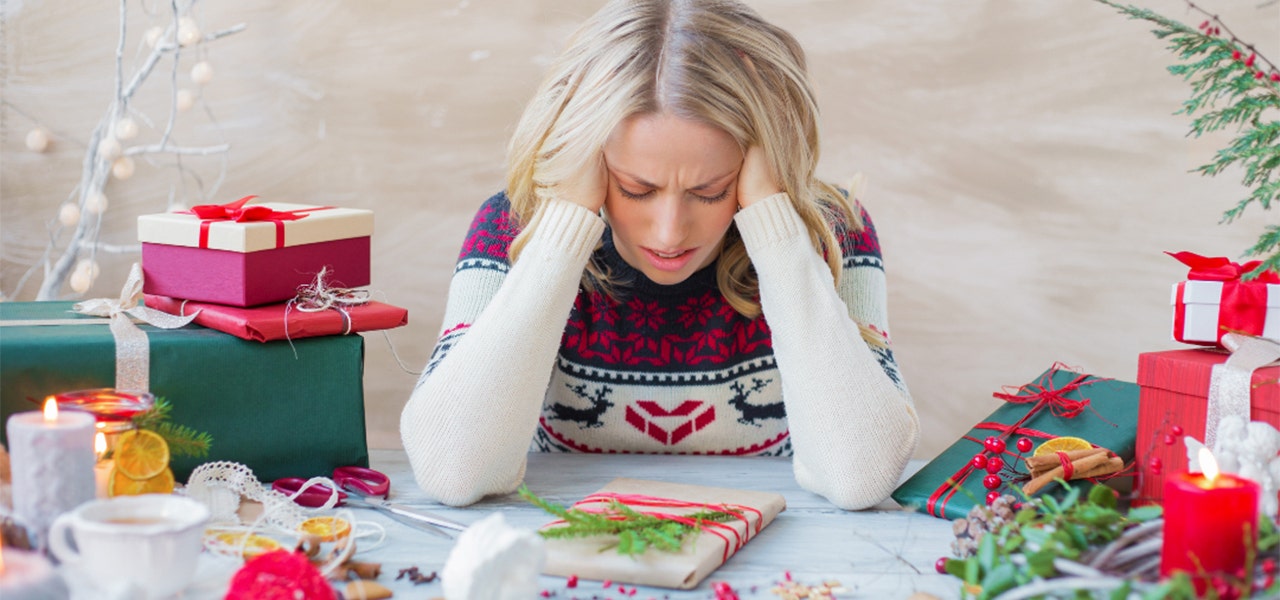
248 255
1175 403
1058 403
593 558
279 414
1215 301
267 323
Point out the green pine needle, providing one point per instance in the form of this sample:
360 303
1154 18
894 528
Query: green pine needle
636 532
182 440
1227 95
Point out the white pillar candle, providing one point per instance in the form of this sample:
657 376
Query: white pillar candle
51 455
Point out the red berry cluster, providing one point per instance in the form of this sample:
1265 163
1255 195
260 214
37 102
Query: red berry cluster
993 465
1210 29
1154 464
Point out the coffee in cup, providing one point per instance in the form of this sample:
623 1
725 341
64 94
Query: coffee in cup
151 542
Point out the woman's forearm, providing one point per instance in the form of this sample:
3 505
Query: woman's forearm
468 424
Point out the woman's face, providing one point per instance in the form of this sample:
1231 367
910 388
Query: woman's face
672 193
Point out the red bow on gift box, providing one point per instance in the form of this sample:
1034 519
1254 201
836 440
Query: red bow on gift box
1220 268
235 211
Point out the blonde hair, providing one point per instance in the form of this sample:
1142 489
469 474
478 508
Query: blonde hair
712 61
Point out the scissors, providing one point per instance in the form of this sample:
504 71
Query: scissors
364 488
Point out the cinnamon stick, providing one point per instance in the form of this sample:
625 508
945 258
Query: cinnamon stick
1043 464
1092 465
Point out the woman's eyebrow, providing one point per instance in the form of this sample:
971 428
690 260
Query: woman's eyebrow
697 188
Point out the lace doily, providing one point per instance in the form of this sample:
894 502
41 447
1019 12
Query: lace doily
221 486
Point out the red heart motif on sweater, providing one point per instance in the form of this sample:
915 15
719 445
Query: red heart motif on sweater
648 410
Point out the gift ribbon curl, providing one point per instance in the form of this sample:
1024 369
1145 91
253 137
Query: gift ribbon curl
1043 396
317 296
133 351
716 528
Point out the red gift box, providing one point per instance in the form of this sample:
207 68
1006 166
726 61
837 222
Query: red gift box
241 255
266 323
1214 301
1175 389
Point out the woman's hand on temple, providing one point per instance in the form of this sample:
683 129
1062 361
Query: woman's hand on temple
587 188
756 180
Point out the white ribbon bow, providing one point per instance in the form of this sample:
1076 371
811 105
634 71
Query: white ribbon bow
1231 383
133 352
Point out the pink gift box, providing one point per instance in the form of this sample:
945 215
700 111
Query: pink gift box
261 258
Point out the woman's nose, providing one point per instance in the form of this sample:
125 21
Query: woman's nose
670 222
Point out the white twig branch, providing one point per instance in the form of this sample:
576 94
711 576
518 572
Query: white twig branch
190 150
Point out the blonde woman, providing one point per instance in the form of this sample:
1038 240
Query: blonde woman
663 274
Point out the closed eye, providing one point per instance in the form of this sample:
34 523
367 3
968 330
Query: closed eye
712 199
633 195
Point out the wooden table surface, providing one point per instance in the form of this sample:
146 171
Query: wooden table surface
881 553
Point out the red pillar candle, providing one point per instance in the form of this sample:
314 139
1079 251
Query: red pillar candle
1210 522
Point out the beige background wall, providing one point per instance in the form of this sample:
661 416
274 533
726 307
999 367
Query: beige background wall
1026 171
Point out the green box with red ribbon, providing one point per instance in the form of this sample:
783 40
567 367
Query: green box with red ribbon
283 410
1058 403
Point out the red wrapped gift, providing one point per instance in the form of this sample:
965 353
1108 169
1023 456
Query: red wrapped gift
266 323
1214 301
248 255
1175 386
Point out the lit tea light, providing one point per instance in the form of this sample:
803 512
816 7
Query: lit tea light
102 468
1210 522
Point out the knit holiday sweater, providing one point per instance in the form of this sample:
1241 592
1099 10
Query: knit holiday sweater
525 356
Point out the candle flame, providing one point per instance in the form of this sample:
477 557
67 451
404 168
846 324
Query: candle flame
50 410
1208 464
100 443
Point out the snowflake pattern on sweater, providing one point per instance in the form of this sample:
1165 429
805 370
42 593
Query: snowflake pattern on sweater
659 369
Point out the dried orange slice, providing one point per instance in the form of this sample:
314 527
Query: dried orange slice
255 545
141 454
327 529
1062 444
120 484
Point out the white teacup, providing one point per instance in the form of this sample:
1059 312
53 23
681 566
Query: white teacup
151 541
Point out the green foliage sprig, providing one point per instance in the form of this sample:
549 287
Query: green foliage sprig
1232 86
1047 551
636 532
182 440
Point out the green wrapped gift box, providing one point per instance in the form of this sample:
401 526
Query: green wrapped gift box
279 414
1039 410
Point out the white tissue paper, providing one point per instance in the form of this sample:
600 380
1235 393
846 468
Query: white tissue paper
494 561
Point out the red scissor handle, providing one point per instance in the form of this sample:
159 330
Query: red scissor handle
367 482
314 496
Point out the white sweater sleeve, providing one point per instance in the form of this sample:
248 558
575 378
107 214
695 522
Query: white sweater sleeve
468 424
852 428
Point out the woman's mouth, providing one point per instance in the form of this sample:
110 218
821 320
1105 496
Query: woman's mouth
668 260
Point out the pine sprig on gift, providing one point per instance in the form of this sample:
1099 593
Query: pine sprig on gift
1233 85
636 532
182 440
